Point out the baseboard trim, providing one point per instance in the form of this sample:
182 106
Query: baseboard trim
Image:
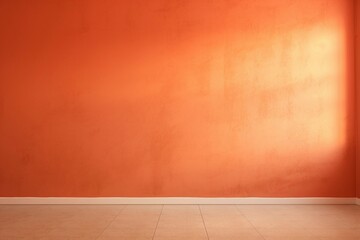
173 200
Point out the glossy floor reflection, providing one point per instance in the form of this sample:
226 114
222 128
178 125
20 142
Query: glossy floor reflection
143 222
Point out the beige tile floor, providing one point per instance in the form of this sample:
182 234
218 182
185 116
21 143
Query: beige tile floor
215 222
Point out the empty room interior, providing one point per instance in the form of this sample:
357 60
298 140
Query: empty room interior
179 119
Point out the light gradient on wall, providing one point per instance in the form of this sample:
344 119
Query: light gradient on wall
177 98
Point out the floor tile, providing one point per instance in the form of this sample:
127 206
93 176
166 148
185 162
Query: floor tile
127 233
143 222
180 233
271 233
229 221
75 232
141 210
225 233
183 210
219 210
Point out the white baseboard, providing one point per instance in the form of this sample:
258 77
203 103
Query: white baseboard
173 200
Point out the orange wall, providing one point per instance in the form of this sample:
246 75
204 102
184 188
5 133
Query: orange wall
357 67
177 98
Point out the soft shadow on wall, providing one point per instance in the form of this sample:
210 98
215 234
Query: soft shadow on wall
177 98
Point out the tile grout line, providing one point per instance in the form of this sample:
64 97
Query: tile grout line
250 222
202 217
157 224
107 226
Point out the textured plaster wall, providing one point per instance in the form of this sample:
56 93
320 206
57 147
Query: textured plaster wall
177 98
357 67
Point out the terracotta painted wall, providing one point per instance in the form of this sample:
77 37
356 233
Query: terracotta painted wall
357 72
177 98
